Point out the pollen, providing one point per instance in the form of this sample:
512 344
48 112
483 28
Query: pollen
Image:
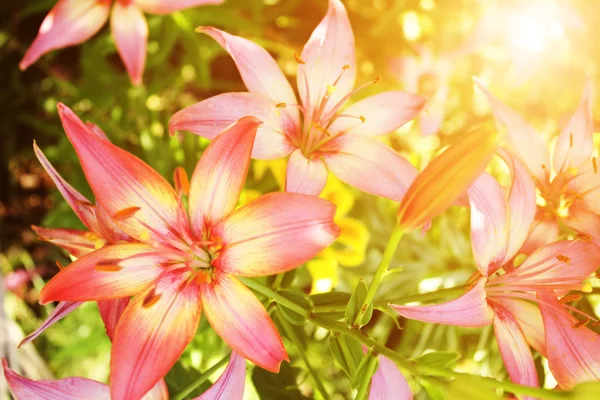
126 213
108 267
298 59
563 258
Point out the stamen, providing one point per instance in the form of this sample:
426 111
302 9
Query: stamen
563 258
298 59
571 139
582 322
181 180
108 267
569 298
346 97
125 213
322 130
150 299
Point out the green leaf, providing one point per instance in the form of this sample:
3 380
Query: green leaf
356 302
330 299
469 388
392 314
365 370
347 352
281 386
299 298
436 390
439 359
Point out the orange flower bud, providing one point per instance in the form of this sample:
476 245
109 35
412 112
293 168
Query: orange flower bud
446 178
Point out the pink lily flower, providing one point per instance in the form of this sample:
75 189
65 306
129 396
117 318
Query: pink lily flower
327 139
182 264
71 22
102 229
230 385
569 184
509 301
388 382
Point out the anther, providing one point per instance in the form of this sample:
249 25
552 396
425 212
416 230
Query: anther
59 265
569 298
108 267
584 237
181 180
582 322
377 79
595 165
281 105
563 258
150 299
346 66
298 59
84 203
362 119
571 139
126 213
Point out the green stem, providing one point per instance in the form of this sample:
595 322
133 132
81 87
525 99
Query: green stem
270 293
291 334
363 389
386 259
438 294
411 366
201 379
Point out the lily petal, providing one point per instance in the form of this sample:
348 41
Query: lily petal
220 174
527 143
241 320
587 185
169 6
158 392
70 22
521 202
470 310
230 384
327 55
121 181
572 353
111 311
62 310
575 142
304 175
489 223
258 69
383 113
514 349
369 165
76 242
130 30
211 116
529 318
583 220
543 231
61 389
80 205
388 382
275 233
153 331
111 272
